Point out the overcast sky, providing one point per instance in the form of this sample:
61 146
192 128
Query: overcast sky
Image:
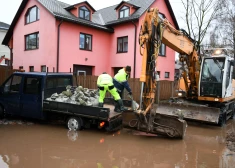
8 8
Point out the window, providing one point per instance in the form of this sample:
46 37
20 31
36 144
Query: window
85 41
43 68
31 68
13 84
167 74
53 82
158 72
122 44
32 15
32 85
162 50
84 13
124 12
21 67
32 41
162 16
7 62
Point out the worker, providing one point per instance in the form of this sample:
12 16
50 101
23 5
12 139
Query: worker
105 83
120 80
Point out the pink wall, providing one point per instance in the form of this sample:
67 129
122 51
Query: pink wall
103 57
165 64
45 55
122 59
71 54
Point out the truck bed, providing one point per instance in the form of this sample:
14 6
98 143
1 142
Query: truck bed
112 113
106 113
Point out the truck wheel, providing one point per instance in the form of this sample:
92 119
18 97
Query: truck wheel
1 112
74 123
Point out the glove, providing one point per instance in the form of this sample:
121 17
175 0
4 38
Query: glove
130 93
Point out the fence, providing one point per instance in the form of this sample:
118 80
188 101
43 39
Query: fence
166 89
5 72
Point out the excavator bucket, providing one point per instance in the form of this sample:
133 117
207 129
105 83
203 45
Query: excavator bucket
158 124
189 111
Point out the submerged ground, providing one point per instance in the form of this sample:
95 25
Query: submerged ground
33 144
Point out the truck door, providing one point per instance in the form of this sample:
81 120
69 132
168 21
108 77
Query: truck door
31 98
11 95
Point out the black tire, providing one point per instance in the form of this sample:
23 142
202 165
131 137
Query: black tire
1 112
74 123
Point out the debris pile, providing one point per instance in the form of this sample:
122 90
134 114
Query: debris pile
79 95
230 141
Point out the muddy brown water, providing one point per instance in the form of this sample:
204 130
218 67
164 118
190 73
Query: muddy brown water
41 145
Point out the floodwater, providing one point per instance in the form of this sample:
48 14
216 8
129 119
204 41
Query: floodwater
42 145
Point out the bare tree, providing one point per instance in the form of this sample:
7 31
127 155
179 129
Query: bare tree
199 14
225 24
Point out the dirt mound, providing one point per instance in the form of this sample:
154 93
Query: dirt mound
230 141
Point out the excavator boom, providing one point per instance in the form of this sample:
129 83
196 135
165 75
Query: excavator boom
147 119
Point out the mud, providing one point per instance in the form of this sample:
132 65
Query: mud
52 145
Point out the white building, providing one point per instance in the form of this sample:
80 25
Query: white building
4 50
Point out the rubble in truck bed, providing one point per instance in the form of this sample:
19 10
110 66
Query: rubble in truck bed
230 140
79 96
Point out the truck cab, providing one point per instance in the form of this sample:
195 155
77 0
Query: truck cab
22 93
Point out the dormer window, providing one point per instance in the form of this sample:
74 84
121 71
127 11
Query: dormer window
84 13
124 12
32 15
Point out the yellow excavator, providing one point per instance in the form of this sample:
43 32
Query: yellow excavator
208 95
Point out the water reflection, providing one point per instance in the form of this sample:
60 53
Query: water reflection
53 146
72 135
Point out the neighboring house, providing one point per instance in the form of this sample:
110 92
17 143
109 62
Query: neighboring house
178 69
54 36
4 50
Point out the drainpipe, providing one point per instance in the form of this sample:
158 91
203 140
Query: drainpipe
58 46
11 57
134 47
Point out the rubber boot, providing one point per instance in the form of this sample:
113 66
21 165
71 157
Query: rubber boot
120 103
101 105
117 108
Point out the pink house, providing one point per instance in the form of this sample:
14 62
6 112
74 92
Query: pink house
49 35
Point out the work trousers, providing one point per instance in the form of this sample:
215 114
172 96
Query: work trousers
111 89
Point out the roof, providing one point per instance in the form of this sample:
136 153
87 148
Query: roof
102 19
109 14
4 26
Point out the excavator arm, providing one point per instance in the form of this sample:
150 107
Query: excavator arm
153 32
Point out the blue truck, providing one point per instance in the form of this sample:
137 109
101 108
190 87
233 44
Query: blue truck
25 95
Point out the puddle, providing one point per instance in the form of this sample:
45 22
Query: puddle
52 145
